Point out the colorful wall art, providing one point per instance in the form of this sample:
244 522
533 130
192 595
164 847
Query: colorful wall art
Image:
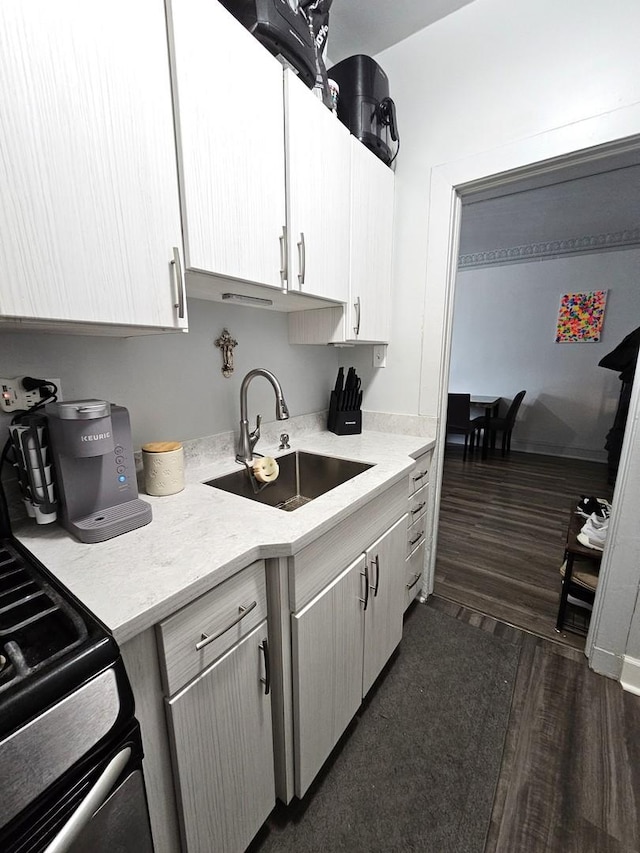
580 317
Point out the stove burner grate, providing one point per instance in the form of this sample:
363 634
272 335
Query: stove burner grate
37 626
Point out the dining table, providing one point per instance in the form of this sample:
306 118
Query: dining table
491 406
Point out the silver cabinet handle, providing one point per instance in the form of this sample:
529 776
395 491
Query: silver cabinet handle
414 581
416 539
264 647
419 508
284 248
419 476
365 575
302 259
374 588
356 328
205 639
177 266
91 803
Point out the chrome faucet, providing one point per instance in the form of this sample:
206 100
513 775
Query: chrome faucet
248 440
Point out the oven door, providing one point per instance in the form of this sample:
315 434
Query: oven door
119 825
100 805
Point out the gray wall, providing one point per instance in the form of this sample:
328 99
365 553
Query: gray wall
172 384
503 340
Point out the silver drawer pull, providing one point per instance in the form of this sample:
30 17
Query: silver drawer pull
420 475
419 507
416 539
206 639
414 581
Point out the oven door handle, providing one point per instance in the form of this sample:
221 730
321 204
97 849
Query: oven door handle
91 803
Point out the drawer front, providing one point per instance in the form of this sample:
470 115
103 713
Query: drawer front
418 504
419 477
413 574
214 623
416 534
320 562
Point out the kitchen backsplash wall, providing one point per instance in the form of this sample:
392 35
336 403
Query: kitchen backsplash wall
172 384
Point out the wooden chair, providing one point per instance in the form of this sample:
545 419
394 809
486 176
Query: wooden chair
504 425
459 419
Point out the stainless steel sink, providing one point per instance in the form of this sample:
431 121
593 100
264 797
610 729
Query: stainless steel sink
303 477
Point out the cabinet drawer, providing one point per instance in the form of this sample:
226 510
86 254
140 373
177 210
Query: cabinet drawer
217 617
419 477
413 574
416 534
418 504
320 562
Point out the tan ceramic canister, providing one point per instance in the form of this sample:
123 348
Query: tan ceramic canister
163 463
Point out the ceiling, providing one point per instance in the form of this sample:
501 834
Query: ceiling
369 26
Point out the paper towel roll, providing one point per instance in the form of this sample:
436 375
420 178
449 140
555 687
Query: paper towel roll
265 470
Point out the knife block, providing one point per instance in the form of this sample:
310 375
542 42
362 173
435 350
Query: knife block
343 422
346 423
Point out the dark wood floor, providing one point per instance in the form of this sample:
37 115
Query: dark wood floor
570 775
501 534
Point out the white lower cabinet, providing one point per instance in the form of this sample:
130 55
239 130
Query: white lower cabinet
340 642
220 726
216 674
383 615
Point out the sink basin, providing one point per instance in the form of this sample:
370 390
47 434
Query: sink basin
303 477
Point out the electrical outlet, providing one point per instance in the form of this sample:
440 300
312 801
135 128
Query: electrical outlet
380 355
14 397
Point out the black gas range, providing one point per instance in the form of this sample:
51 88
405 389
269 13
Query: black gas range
70 748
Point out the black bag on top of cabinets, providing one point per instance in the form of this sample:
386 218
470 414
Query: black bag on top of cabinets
364 105
283 28
317 14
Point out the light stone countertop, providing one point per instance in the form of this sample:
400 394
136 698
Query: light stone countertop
201 536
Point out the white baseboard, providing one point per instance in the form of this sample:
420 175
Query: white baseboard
605 663
630 675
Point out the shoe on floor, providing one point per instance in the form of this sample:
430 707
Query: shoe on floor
588 506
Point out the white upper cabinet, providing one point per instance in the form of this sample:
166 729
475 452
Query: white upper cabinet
372 197
366 318
318 195
230 123
89 208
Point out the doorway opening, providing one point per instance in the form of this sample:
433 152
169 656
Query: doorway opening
538 160
504 516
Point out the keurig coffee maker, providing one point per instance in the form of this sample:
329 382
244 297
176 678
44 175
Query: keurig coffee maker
92 454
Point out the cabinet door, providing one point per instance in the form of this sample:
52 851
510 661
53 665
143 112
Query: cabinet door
327 642
230 116
383 618
89 210
372 199
318 194
223 752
